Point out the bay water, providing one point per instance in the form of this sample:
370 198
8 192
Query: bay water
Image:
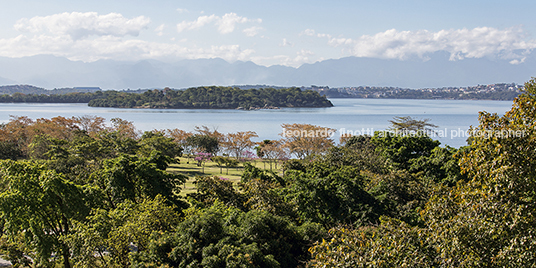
348 116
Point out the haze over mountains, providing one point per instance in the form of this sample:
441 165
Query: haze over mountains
56 72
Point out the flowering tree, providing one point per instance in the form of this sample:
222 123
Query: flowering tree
202 158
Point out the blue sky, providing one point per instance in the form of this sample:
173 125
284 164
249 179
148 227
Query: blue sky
268 32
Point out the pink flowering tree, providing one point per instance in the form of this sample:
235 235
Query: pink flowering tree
201 159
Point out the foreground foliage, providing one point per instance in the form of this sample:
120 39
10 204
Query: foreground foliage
221 236
485 221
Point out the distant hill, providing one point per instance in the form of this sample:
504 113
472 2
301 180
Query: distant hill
28 89
24 89
55 72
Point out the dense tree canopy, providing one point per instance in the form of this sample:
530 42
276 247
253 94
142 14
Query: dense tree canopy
213 98
39 206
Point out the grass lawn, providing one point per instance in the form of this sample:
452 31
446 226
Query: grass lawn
191 170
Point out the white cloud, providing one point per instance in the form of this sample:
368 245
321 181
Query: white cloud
81 25
90 37
509 44
252 31
226 23
200 22
182 10
111 47
518 61
286 43
160 30
308 32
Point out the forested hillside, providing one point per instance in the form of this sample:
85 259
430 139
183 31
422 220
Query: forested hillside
213 97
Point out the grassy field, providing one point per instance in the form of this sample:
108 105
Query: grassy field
191 170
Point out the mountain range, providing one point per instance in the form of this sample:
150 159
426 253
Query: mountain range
56 72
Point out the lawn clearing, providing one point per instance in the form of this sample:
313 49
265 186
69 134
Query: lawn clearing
189 168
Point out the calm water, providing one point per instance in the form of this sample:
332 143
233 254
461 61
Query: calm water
360 116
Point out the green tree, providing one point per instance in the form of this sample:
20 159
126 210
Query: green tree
47 147
264 195
116 238
136 178
113 143
401 149
40 205
156 141
230 163
330 195
204 143
400 194
212 189
391 244
488 221
10 150
358 152
441 166
220 236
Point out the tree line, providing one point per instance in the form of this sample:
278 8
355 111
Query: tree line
193 98
75 97
78 193
214 97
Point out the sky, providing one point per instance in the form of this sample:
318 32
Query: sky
267 33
